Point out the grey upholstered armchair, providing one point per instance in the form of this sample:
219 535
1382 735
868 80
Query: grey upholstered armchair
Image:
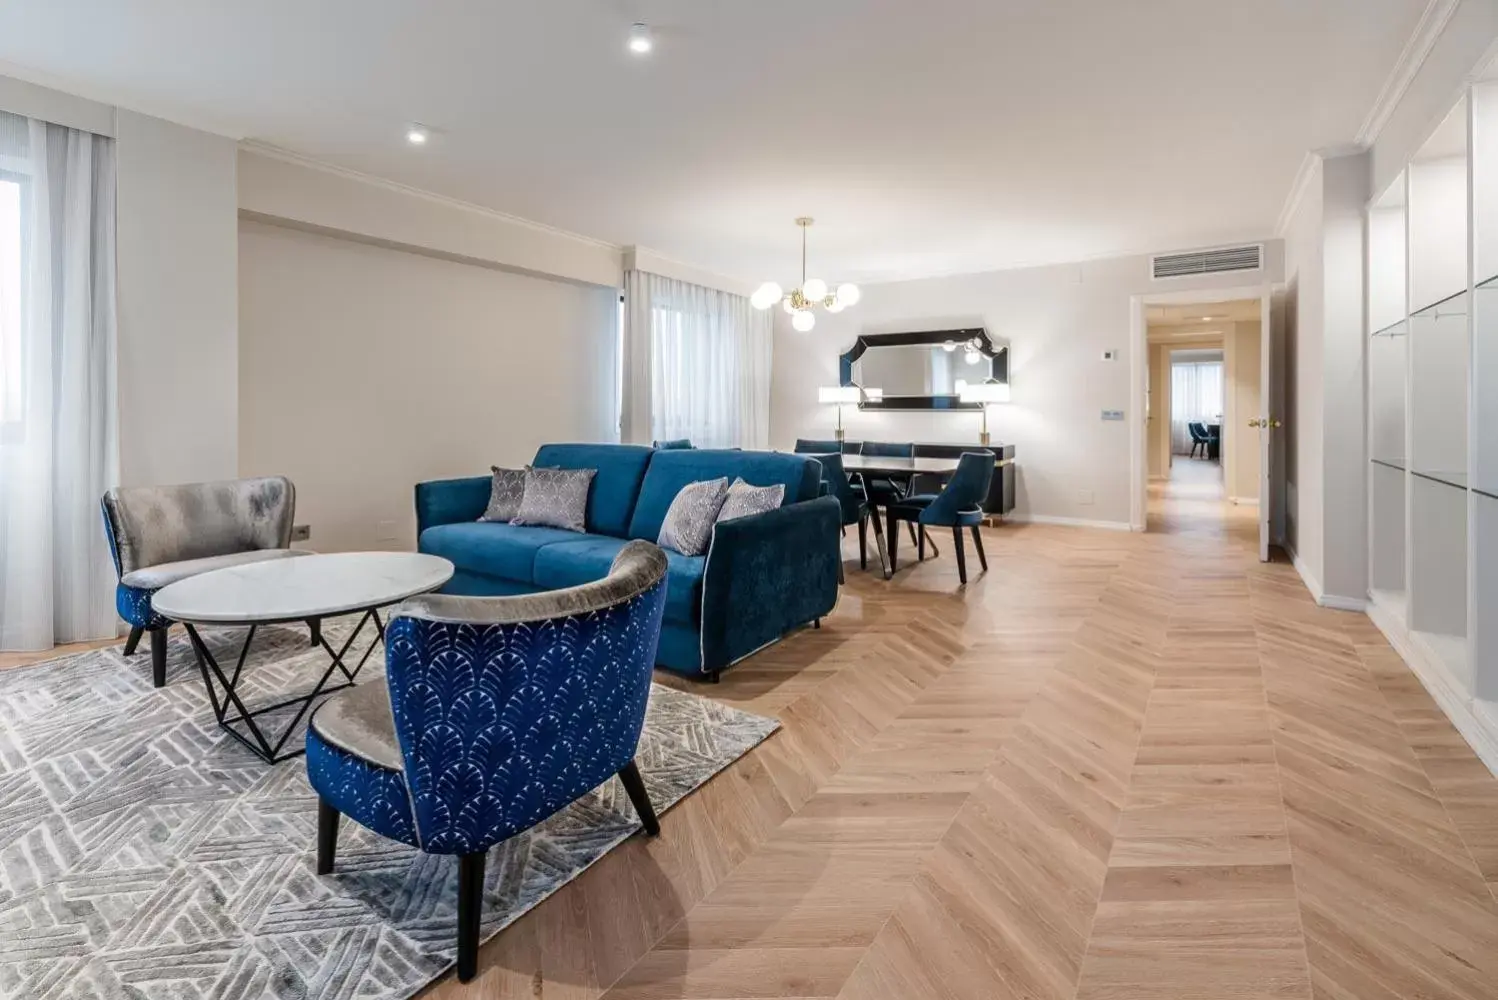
161 534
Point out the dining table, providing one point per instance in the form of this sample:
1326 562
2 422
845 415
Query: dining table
894 467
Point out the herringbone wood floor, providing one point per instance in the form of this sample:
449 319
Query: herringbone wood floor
1117 766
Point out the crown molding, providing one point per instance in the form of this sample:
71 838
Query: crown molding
274 152
1428 29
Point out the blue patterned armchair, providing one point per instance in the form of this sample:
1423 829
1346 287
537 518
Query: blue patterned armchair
496 713
161 534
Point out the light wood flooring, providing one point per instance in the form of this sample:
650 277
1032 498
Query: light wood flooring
1117 766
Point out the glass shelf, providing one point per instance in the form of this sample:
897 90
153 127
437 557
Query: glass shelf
1393 330
1397 464
1485 493
1456 480
1489 282
1451 305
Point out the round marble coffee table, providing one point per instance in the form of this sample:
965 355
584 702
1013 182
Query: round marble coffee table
307 589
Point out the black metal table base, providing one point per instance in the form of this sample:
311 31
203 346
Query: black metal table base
272 748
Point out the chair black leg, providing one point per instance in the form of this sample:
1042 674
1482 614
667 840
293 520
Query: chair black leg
978 544
714 676
863 543
920 543
842 575
910 527
961 553
816 623
470 910
892 539
314 626
134 640
158 656
629 774
327 836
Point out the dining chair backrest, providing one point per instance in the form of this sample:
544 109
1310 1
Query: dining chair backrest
811 446
966 490
836 483
889 449
1197 430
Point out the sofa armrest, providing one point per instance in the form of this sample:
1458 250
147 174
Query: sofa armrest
450 501
767 574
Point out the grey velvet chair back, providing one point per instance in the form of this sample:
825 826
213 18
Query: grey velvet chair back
151 525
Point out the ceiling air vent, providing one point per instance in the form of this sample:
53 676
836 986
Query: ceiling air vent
1180 265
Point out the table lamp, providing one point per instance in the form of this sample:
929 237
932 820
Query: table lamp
838 395
985 393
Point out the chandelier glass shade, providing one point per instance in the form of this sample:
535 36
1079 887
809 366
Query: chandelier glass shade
812 292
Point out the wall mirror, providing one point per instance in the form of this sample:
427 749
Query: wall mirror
923 371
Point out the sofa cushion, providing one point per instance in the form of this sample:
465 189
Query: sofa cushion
583 560
507 551
620 467
158 576
671 470
555 498
744 500
688 527
504 494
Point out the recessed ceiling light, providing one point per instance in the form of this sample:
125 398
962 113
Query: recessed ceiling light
640 41
416 135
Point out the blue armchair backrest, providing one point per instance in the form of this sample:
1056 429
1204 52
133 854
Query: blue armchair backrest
151 525
889 449
966 490
671 470
509 708
838 485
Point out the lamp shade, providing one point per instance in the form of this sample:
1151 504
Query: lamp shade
985 392
838 394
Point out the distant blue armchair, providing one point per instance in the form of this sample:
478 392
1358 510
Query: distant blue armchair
495 713
957 506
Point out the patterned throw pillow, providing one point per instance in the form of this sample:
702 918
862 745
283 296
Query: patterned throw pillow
743 499
690 518
555 498
505 494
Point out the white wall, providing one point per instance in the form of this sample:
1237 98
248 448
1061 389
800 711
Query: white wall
364 370
1057 321
1242 346
176 248
1302 439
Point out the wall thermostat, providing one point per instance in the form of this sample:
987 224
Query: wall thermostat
1110 355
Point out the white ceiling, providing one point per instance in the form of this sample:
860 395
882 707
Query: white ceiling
950 135
1237 310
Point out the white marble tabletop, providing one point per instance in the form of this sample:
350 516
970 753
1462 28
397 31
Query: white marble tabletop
314 586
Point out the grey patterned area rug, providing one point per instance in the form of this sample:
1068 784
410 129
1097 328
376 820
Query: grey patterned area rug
145 854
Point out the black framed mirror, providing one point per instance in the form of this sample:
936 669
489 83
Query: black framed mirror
923 370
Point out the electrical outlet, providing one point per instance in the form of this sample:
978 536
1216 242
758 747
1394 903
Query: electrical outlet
301 532
1110 355
1085 497
1113 414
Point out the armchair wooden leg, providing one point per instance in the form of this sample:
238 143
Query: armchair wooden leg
629 774
879 544
978 544
892 539
863 543
920 543
134 640
158 656
961 553
470 913
314 626
327 836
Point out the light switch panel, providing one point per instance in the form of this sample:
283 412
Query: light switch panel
1113 414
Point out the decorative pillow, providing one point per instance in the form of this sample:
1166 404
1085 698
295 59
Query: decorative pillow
505 494
555 498
688 526
743 499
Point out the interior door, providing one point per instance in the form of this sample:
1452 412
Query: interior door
1267 421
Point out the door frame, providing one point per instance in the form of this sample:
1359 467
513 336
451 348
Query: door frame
1139 380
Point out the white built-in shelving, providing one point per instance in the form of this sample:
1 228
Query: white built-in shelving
1432 311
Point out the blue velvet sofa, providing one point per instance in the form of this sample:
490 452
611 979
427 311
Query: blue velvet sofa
762 576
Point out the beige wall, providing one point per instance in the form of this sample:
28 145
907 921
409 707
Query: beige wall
1242 352
364 370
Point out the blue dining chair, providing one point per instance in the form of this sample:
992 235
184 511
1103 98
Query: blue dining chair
856 509
495 713
811 446
957 506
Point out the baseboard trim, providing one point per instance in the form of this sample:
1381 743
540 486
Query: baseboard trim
1068 522
1339 603
1244 501
1306 576
1474 719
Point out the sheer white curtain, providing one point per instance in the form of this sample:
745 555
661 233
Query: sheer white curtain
1195 397
696 364
57 390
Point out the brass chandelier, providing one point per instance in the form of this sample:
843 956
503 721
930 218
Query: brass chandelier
812 292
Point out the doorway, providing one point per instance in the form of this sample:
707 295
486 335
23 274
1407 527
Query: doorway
1203 392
